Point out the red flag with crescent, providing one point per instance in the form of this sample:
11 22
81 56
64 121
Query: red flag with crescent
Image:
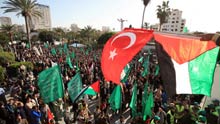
120 49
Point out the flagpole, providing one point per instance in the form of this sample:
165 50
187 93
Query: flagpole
203 105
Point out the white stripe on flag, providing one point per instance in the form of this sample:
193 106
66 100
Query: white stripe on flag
182 78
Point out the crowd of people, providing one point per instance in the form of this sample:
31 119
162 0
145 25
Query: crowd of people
21 103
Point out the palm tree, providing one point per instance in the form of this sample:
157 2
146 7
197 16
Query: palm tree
163 13
59 33
145 2
87 34
24 8
9 30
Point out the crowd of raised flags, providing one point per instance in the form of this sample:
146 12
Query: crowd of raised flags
67 75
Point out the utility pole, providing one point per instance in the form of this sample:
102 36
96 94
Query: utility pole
122 22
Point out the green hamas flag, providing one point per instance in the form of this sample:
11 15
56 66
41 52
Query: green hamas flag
60 49
73 55
115 98
133 103
157 69
141 59
68 61
53 51
46 45
148 106
144 97
74 87
50 84
65 48
145 65
125 73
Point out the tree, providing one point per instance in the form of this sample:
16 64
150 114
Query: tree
9 29
46 36
24 8
163 13
3 38
59 33
145 2
104 37
87 34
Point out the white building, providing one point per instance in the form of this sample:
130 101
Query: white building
175 22
74 28
43 22
5 21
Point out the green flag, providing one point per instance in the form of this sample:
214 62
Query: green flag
27 45
50 84
145 65
141 59
60 49
148 106
53 51
116 98
144 96
74 86
125 73
46 45
87 52
133 103
65 49
157 69
68 61
73 55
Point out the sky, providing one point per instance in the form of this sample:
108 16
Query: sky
200 15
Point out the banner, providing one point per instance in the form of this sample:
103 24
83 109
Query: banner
50 84
74 87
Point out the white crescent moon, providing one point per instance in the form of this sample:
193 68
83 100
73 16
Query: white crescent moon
132 37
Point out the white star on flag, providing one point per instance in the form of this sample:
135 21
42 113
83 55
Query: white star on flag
112 54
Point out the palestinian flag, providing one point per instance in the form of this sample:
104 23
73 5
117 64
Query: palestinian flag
93 89
186 65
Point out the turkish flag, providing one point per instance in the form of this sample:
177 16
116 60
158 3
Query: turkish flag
120 49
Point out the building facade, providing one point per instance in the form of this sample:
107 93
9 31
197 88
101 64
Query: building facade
5 21
175 22
43 22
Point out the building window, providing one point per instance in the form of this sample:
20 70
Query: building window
171 29
173 21
182 24
176 30
177 21
172 26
